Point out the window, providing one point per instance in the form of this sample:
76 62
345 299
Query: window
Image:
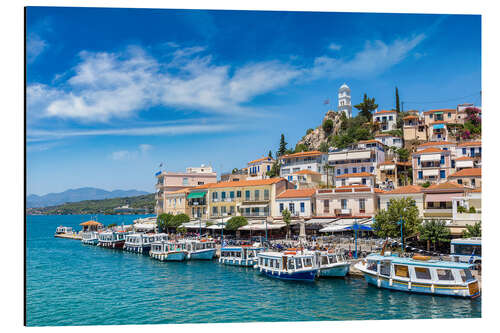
214 195
363 181
422 273
452 163
346 170
298 262
268 168
354 170
385 268
449 114
442 174
231 210
238 194
444 275
302 207
418 160
464 151
231 194
338 171
390 117
223 210
363 169
247 195
466 275
362 205
291 263
326 205
291 205
343 203
371 169
282 207
257 194
473 182
401 271
420 175
308 262
223 195
459 181
266 194
442 160
185 181
214 211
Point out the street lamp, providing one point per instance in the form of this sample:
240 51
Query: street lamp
355 227
268 219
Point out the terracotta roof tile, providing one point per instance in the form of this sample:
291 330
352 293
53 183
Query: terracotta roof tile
306 172
444 186
429 150
440 110
385 111
469 172
357 174
464 158
304 153
261 159
371 141
406 190
436 143
471 143
410 117
304 193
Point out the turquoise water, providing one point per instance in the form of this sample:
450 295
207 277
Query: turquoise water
73 284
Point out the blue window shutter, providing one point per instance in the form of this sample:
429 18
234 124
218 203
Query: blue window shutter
418 160
420 175
464 151
442 174
442 159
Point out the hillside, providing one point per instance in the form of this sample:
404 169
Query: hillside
79 194
104 206
315 137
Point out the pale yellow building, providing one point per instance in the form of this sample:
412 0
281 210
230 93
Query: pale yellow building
176 202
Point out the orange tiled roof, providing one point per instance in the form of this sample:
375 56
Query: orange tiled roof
383 135
406 190
387 163
429 150
304 153
377 190
304 193
404 163
439 122
349 188
469 172
436 143
471 143
385 111
371 141
440 110
89 223
476 190
445 186
184 190
261 159
410 117
241 183
357 174
464 158
306 172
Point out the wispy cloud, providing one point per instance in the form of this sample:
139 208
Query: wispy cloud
121 155
145 147
35 45
334 46
40 135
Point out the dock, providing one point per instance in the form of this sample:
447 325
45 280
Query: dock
69 236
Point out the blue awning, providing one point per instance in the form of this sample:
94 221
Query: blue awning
438 126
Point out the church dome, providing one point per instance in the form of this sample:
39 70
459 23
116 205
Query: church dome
344 87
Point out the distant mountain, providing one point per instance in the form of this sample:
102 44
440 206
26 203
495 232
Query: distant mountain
79 194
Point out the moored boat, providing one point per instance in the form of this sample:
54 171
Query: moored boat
420 274
138 242
199 249
63 230
331 264
90 237
111 239
245 255
168 251
288 265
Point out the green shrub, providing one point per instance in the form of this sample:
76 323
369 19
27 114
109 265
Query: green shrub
236 222
328 125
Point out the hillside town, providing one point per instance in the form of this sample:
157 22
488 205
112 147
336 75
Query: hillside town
430 157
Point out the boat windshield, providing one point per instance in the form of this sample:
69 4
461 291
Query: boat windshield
324 260
372 265
298 263
333 259
291 263
308 262
466 275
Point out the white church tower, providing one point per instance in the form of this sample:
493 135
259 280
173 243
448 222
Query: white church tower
345 100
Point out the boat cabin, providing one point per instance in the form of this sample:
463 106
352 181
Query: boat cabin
290 265
64 230
245 255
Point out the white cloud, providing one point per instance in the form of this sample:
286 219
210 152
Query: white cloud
334 46
122 155
35 45
375 58
145 147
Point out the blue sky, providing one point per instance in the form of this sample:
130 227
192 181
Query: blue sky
112 93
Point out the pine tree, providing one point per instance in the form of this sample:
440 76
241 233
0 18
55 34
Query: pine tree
366 107
397 101
283 144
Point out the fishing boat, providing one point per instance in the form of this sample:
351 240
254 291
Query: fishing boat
111 239
288 265
168 251
138 242
331 264
245 255
90 237
199 249
420 274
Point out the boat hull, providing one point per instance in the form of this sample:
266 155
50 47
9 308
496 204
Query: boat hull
238 262
90 241
335 271
113 245
144 249
207 254
309 275
422 288
176 256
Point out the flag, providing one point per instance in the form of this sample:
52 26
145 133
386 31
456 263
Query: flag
161 164
326 102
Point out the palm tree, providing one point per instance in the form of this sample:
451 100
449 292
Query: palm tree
434 231
327 167
287 219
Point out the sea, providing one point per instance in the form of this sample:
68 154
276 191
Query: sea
68 283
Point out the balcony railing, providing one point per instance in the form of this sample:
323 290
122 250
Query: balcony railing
255 214
254 199
341 212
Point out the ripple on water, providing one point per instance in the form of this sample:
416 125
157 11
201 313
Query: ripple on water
72 284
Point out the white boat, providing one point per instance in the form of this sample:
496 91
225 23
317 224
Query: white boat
331 264
288 265
63 230
112 239
420 274
168 251
138 242
90 237
199 249
245 255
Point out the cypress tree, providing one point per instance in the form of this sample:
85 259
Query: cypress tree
283 144
397 100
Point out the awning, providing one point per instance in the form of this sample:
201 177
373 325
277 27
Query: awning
358 155
262 226
194 225
196 195
337 157
430 157
254 206
320 221
432 172
387 167
464 164
343 224
438 113
144 226
354 180
438 126
440 197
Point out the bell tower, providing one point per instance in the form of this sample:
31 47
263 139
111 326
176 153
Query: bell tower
345 100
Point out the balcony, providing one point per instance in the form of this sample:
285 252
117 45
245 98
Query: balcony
256 199
255 214
197 203
342 212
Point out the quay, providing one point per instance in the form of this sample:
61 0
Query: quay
69 236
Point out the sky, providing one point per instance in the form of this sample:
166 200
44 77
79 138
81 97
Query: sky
113 93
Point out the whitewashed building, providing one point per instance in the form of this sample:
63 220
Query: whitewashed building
344 97
307 160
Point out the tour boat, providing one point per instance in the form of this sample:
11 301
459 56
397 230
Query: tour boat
168 251
199 249
138 242
111 239
63 230
420 274
331 264
288 265
245 255
90 237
